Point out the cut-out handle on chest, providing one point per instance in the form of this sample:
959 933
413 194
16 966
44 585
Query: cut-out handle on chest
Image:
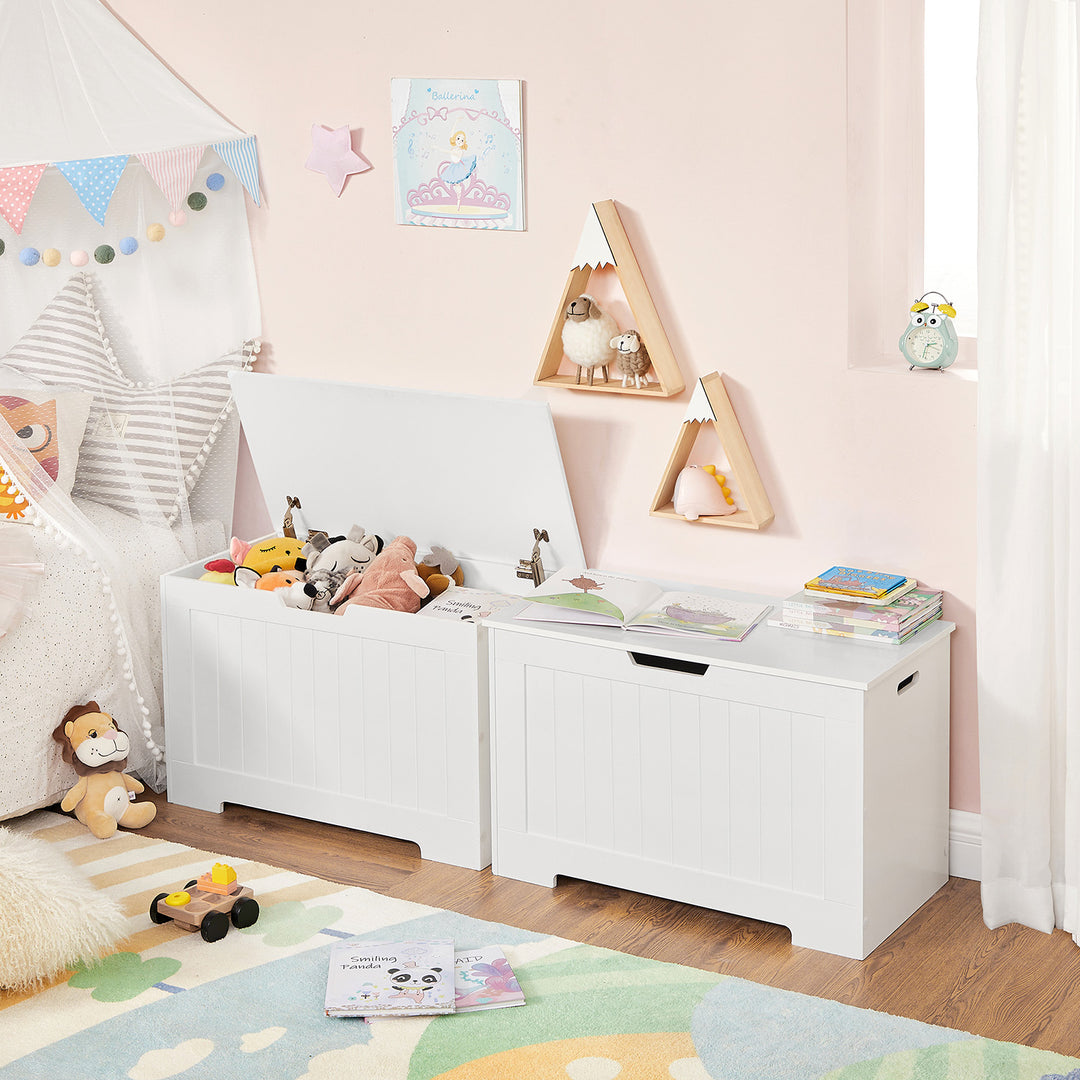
908 683
669 663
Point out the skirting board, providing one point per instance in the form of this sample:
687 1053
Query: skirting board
965 845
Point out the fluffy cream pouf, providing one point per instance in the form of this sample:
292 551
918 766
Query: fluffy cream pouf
50 915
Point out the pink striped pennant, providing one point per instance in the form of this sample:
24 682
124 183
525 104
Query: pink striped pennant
173 171
17 187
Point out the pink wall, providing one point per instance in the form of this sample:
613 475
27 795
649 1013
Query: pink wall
720 130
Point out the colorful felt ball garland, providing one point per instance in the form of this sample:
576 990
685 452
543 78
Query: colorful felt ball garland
128 245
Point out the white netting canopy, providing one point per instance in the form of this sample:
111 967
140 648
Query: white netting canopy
127 293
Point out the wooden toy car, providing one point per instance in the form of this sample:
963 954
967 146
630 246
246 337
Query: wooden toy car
207 904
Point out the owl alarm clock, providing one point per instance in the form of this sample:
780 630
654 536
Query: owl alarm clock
929 340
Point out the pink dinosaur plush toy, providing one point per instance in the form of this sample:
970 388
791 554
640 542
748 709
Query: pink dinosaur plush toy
390 581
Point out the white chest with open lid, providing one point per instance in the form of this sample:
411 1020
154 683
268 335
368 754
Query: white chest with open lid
375 720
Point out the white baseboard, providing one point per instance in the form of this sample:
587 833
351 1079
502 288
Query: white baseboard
965 845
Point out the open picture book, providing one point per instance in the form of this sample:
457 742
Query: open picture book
602 599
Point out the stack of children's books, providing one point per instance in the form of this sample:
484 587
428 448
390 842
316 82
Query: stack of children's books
425 977
867 605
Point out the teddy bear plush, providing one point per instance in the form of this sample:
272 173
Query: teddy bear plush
390 581
97 750
440 570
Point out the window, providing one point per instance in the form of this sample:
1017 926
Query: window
886 139
950 155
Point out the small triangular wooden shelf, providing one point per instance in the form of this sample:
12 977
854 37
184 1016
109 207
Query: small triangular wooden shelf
711 405
604 243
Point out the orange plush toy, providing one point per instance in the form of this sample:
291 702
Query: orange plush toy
390 581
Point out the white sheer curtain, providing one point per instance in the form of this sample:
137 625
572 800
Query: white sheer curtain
1028 594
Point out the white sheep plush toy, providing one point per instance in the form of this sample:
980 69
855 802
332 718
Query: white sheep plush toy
586 336
632 359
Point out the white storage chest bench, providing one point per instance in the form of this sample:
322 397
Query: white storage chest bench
797 779
376 720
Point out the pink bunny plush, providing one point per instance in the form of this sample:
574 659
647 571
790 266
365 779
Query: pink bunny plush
390 581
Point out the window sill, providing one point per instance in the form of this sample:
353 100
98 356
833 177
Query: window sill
965 367
898 367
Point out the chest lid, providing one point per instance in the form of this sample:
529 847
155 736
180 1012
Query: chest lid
472 474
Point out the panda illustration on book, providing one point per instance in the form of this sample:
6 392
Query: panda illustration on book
414 982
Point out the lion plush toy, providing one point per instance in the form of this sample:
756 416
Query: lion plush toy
98 750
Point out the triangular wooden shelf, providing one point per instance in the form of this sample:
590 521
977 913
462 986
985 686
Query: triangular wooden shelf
711 405
604 243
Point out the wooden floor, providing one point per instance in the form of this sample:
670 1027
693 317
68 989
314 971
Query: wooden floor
942 966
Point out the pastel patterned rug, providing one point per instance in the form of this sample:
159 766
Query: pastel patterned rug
167 1004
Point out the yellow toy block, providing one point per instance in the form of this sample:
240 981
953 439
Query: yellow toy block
221 880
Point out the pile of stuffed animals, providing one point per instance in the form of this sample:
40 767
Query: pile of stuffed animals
332 573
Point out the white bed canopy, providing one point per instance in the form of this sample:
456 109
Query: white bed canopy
79 89
112 168
75 83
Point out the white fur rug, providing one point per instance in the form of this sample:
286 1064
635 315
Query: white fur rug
50 915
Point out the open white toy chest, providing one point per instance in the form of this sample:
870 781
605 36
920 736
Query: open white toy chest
375 720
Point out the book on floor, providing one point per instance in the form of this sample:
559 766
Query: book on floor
851 581
603 599
483 979
391 978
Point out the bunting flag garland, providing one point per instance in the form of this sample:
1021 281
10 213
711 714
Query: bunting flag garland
240 155
17 187
94 181
173 171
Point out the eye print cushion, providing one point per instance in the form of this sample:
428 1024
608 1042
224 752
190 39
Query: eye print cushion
49 424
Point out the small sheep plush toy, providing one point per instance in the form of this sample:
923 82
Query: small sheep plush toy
586 336
632 359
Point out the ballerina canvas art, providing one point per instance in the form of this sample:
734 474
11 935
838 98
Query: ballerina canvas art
457 153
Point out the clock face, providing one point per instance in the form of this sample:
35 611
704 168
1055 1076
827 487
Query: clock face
925 344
